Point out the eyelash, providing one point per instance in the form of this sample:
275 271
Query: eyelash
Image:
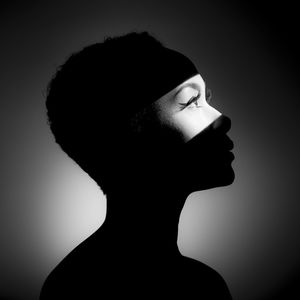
208 96
191 101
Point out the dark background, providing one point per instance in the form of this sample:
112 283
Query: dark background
247 54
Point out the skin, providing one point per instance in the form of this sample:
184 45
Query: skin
191 120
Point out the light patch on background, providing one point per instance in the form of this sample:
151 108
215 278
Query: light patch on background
74 209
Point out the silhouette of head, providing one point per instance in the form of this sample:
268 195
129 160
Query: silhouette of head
132 112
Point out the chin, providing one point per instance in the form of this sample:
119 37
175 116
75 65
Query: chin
224 174
222 177
227 178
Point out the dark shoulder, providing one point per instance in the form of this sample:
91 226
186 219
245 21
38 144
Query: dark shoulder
199 267
73 273
63 276
89 268
205 279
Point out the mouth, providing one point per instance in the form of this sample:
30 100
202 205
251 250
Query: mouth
230 145
231 155
227 148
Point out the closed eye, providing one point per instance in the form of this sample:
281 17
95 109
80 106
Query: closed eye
191 101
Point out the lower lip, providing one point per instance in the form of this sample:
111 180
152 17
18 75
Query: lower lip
231 155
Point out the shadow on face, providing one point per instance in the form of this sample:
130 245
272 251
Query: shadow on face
183 140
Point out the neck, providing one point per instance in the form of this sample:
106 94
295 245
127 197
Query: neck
144 219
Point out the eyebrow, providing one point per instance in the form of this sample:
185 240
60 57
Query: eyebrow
193 85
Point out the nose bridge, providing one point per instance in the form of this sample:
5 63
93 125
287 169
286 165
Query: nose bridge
214 114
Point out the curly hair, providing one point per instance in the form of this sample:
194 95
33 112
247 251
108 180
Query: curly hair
91 96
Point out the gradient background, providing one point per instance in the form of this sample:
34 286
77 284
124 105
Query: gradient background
249 231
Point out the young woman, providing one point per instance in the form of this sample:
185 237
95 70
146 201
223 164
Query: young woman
135 115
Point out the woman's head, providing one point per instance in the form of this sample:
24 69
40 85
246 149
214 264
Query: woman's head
123 104
188 138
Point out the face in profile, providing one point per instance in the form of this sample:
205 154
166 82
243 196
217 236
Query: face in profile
204 160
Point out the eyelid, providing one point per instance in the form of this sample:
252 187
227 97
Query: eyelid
193 85
189 86
194 89
191 101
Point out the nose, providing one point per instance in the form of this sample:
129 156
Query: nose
223 124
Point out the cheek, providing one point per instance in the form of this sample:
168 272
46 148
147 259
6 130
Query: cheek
190 122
